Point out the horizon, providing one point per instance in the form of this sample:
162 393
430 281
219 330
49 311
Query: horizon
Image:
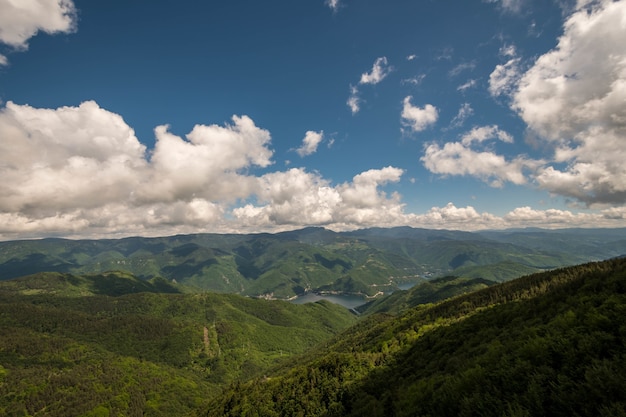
528 229
176 118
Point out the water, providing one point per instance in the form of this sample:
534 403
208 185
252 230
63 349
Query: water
348 301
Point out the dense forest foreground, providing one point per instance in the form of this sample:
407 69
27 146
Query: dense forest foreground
547 344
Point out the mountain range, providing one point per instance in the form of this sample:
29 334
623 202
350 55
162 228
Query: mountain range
111 344
284 265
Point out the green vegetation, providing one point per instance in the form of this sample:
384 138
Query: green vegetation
125 327
284 265
73 345
549 344
424 293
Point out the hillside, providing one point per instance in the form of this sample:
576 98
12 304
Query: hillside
115 345
549 344
283 265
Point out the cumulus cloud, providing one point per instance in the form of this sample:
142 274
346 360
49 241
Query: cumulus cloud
80 171
451 216
310 143
573 98
53 160
379 72
418 118
459 158
299 198
21 20
66 164
208 164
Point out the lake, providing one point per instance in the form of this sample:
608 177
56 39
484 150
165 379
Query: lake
348 301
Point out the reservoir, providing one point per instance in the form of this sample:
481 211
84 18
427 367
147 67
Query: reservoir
348 301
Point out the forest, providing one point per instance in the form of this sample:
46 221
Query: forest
110 343
549 344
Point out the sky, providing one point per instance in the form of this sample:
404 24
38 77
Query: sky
154 118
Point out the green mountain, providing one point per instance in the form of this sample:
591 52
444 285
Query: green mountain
112 344
366 262
430 291
548 344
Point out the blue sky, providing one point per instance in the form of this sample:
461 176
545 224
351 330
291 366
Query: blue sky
161 117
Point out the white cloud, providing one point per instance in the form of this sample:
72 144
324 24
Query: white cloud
81 172
379 71
458 158
573 98
70 157
508 51
465 66
333 4
417 80
504 78
3 60
69 163
465 111
509 6
310 143
483 133
354 102
418 118
467 85
296 198
21 20
209 164
451 216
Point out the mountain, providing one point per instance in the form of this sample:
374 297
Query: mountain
366 262
548 344
430 291
113 344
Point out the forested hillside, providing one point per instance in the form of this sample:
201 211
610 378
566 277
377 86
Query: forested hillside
113 345
549 344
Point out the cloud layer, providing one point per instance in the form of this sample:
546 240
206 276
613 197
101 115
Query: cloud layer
81 171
